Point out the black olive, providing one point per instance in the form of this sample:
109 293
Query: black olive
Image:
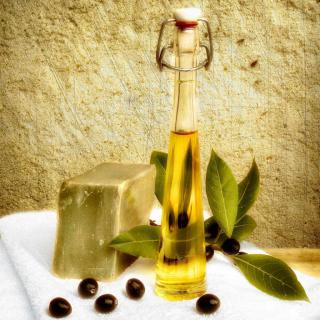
170 261
213 229
106 303
183 220
209 252
167 260
231 246
208 303
171 220
135 288
59 308
88 288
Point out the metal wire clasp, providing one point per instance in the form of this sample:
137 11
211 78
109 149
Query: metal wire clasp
161 51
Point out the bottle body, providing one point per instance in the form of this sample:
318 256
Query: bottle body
180 271
181 262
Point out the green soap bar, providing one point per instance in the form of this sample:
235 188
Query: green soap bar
94 208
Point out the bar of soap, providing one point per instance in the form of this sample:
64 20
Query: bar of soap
94 208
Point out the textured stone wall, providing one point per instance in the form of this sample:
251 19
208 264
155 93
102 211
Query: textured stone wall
79 85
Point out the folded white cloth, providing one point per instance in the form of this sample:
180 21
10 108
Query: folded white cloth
28 239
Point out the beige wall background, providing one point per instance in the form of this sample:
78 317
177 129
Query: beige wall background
79 85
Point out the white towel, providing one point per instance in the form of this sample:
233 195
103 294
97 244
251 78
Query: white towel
26 281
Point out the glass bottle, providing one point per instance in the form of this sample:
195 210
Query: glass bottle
181 264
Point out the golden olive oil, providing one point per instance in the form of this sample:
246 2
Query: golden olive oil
180 271
181 263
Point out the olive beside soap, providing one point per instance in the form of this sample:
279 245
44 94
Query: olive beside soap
59 307
135 289
88 288
106 303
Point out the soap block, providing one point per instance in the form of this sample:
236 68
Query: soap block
94 208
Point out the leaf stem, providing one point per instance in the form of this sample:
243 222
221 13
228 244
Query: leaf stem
216 248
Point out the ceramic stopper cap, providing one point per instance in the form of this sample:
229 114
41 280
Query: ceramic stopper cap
187 14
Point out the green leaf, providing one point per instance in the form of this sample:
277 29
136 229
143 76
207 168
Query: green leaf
222 193
159 159
140 241
243 228
241 231
248 190
271 276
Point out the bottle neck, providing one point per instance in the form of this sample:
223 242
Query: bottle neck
186 44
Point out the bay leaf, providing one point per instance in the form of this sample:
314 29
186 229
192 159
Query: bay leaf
141 241
271 276
248 190
243 228
222 193
241 231
159 159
